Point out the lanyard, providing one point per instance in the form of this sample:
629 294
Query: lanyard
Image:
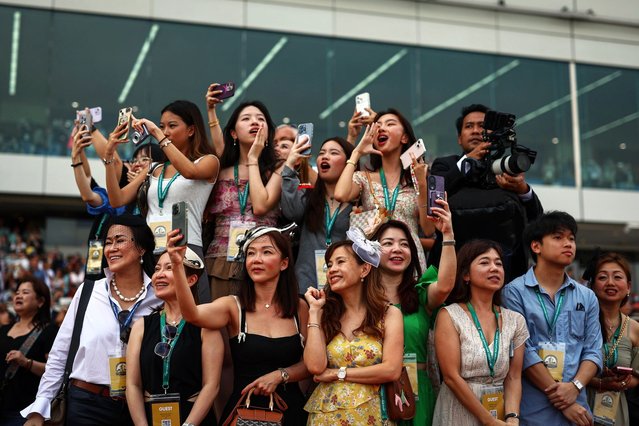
390 203
492 359
104 218
611 355
329 220
167 359
114 307
162 193
560 302
242 196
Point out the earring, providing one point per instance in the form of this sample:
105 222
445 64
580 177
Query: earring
234 142
467 282
361 279
141 260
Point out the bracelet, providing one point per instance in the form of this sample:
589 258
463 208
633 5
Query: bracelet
74 165
165 144
251 164
30 364
448 243
312 324
511 416
213 123
349 161
107 162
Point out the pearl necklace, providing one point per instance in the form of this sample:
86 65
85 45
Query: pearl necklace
126 299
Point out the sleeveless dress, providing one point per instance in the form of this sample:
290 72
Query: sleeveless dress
255 355
627 356
185 375
474 367
346 403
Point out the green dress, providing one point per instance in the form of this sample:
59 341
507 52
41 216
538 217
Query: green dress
416 328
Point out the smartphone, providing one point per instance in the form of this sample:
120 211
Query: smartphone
363 101
84 119
124 116
623 370
96 114
305 129
228 90
417 149
139 137
179 220
436 191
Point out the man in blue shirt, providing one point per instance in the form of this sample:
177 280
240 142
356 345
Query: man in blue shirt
564 349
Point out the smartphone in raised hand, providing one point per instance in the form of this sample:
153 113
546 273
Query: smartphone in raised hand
228 90
362 102
417 150
124 116
436 191
305 129
179 220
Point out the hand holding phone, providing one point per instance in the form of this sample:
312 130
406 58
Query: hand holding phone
436 191
179 220
124 116
84 119
305 129
622 371
228 90
362 102
417 150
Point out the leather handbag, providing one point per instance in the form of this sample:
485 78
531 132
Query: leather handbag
246 415
400 399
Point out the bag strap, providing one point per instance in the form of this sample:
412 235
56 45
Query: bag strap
24 348
87 289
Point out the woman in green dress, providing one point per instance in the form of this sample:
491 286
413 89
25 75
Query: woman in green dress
418 301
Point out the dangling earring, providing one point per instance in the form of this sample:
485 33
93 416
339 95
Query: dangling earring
141 260
467 282
234 142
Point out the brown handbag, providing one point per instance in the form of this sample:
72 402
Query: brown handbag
400 399
244 414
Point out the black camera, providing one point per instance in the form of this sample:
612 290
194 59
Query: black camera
499 131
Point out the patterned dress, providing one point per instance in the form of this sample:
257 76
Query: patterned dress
346 403
474 368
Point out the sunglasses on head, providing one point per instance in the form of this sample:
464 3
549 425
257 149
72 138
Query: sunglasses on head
125 331
162 349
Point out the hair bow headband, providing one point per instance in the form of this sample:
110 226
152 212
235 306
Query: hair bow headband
369 251
245 240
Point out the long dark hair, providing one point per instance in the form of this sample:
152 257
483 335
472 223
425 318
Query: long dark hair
376 160
407 292
373 296
465 256
191 115
231 153
317 196
42 318
287 288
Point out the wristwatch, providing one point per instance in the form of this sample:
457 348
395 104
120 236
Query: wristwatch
341 374
284 374
511 416
577 384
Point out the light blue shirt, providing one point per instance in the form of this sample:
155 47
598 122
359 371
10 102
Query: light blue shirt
577 326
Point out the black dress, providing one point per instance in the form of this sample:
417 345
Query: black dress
185 375
21 390
256 355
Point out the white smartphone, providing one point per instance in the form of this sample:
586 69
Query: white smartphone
96 116
417 149
363 101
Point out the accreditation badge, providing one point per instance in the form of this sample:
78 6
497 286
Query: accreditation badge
117 373
236 229
94 257
605 407
492 399
161 226
165 409
410 362
320 269
553 354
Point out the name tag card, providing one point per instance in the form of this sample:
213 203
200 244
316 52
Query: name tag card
94 257
320 269
165 409
492 399
117 373
161 226
553 355
605 407
236 228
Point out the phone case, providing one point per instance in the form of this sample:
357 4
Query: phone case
306 129
228 90
436 191
124 116
417 149
84 119
363 101
179 220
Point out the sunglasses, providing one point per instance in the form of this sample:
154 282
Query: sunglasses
162 349
125 331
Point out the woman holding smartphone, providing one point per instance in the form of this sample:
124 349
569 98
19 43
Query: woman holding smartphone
387 187
610 280
188 174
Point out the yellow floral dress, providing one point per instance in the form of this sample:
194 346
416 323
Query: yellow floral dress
345 403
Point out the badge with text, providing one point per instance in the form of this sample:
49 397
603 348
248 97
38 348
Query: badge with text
320 269
605 407
94 257
161 226
410 362
236 229
117 372
552 354
165 409
492 399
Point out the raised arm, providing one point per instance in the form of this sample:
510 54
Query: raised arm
419 174
293 201
264 198
315 349
346 190
217 137
447 269
119 196
80 165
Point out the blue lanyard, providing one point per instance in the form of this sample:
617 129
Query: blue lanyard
242 196
115 310
390 203
162 193
491 358
166 362
560 302
329 220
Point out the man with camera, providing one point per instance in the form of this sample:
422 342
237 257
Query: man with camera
487 191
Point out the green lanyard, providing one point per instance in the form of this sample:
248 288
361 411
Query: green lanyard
167 360
329 220
242 196
492 359
162 193
560 302
612 361
104 218
390 203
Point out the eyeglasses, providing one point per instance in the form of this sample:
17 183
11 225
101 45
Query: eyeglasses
125 330
140 160
162 349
